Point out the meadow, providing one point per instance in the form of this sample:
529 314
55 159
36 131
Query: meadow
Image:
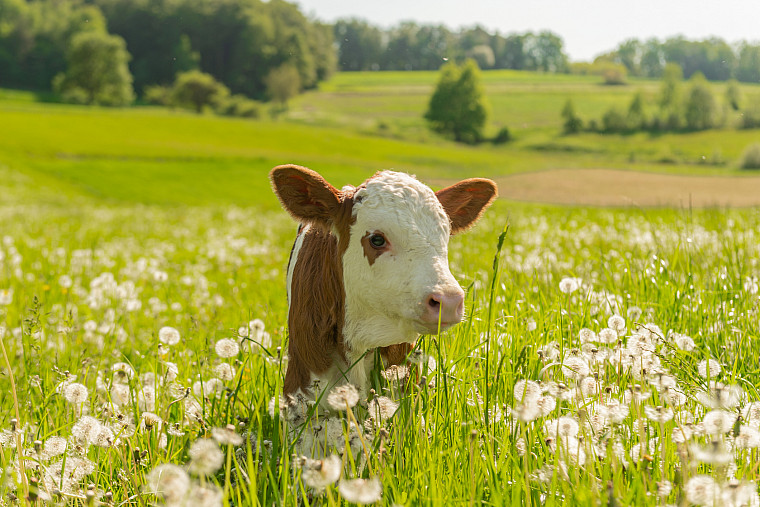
607 356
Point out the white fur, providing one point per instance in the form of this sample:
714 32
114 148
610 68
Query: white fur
385 301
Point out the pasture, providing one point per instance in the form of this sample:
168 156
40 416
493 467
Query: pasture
118 223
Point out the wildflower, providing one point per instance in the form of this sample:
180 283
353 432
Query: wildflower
149 420
6 297
568 285
633 313
587 335
718 422
682 433
683 342
205 495
318 474
75 393
526 390
146 399
562 427
607 335
748 437
616 323
205 457
382 408
664 488
575 367
362 491
169 482
709 368
226 348
122 372
546 405
713 453
396 373
224 372
86 429
120 395
719 395
751 413
54 446
226 435
658 414
343 397
105 437
168 336
674 397
740 493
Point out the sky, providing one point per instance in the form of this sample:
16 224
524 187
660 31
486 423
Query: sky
587 27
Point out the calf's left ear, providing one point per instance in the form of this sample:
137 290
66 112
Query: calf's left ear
466 201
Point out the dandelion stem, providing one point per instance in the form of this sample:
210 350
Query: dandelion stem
21 467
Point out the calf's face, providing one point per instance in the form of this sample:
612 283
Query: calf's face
392 233
396 262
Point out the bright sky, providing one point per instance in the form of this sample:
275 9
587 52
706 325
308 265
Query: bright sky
587 27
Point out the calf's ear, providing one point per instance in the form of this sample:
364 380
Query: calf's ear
466 201
305 194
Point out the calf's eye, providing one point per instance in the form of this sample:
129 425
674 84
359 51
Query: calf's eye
377 241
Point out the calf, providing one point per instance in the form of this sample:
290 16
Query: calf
369 269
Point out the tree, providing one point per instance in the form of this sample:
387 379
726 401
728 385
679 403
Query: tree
97 69
733 95
283 83
457 106
670 88
573 124
197 89
636 118
701 109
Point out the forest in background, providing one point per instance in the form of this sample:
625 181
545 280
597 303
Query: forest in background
244 43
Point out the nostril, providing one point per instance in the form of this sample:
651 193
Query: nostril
434 303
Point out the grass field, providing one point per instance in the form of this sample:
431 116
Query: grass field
118 223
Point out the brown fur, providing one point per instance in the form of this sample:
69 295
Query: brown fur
317 306
370 252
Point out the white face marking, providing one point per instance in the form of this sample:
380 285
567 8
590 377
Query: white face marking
385 300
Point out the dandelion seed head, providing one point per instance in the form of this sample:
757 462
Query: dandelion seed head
658 414
54 446
169 335
587 335
568 285
205 457
318 474
86 429
526 390
75 393
709 368
718 422
616 323
361 491
683 342
343 397
748 438
574 367
382 408
226 435
169 482
224 372
226 348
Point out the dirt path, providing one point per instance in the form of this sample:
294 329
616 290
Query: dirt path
603 187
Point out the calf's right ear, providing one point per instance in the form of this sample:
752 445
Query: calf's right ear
305 194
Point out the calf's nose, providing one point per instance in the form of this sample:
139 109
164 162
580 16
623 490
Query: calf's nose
449 306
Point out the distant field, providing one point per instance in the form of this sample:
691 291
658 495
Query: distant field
355 124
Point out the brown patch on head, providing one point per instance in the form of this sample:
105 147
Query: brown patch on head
372 252
466 201
317 306
395 354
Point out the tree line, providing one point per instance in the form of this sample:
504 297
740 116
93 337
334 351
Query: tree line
714 58
109 51
409 46
238 42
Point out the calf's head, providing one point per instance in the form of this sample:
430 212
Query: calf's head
392 234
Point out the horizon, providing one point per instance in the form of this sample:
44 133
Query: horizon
733 20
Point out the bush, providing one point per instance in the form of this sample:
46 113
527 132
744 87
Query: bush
613 122
157 94
573 124
195 89
283 83
239 105
614 74
751 117
751 157
503 136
